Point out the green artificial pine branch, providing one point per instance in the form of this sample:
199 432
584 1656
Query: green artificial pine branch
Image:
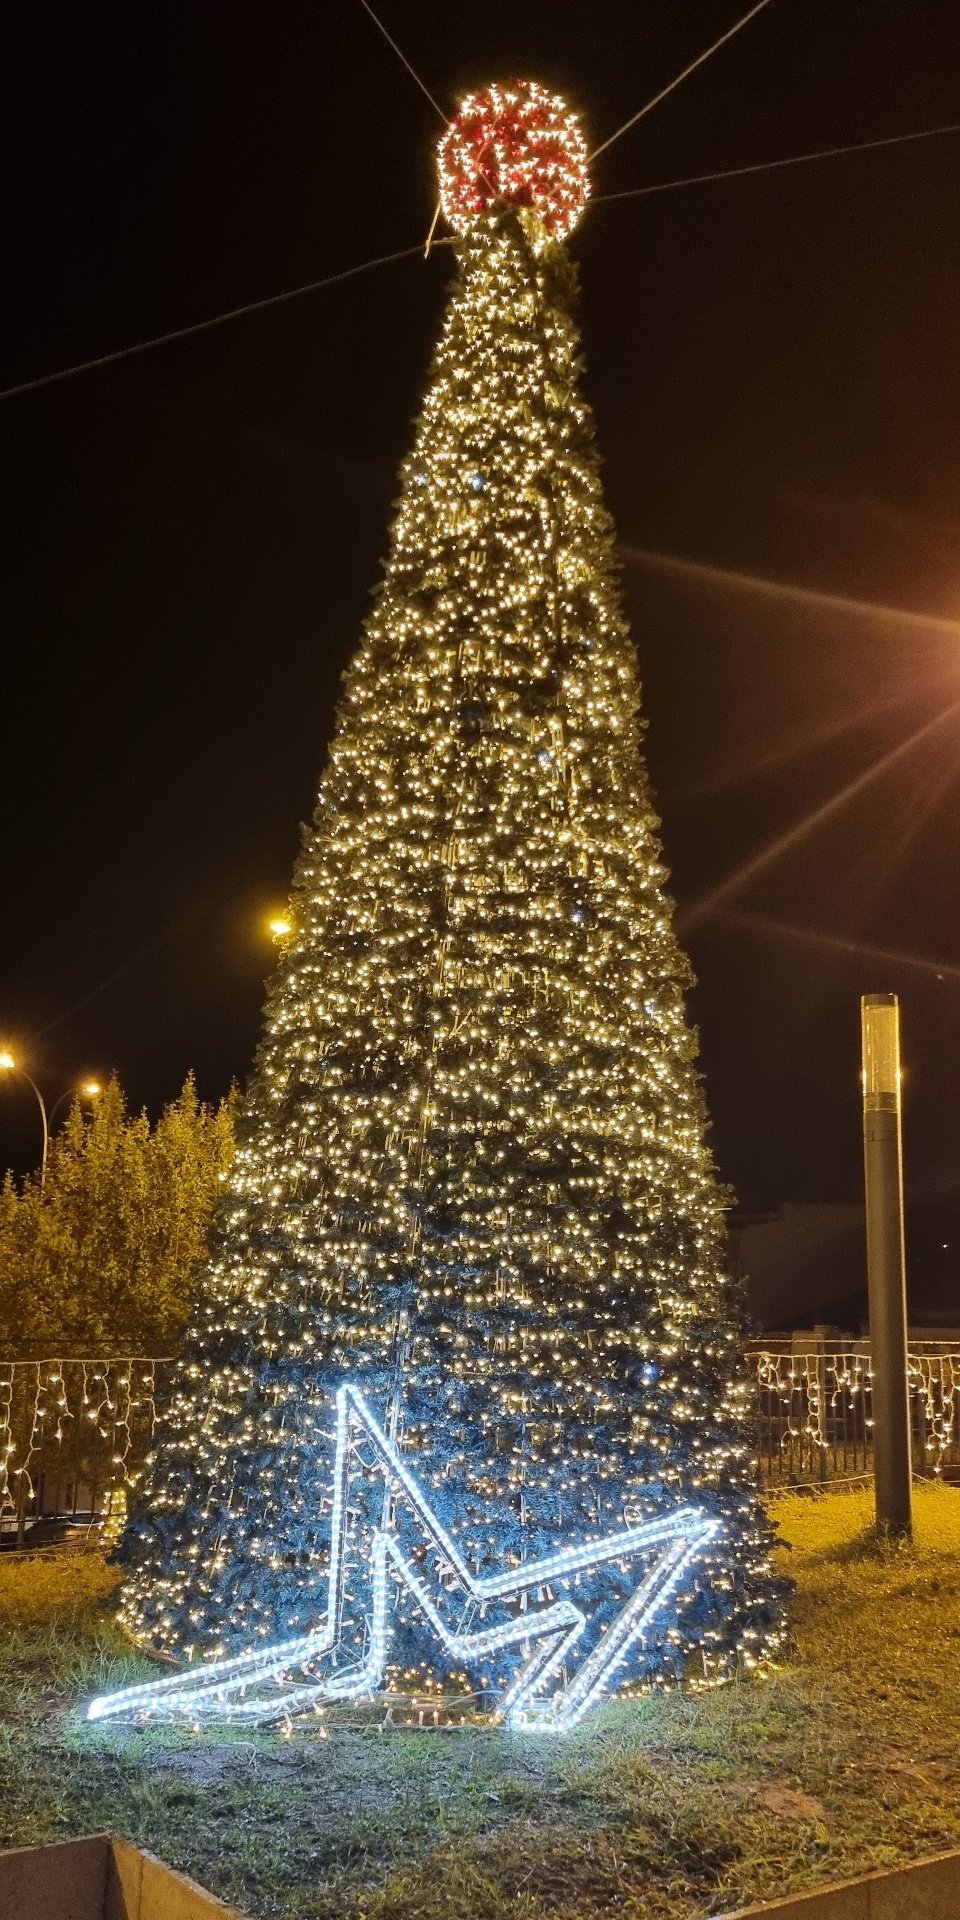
472 1173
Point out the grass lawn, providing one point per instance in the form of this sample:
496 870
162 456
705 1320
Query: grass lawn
846 1758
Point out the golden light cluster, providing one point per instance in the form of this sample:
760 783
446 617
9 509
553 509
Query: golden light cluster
472 1175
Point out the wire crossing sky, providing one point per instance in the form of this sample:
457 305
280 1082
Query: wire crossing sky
401 56
772 401
774 166
408 253
672 85
334 279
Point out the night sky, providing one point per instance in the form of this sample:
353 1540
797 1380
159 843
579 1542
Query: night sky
190 537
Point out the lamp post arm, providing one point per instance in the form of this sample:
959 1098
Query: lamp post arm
24 1075
68 1094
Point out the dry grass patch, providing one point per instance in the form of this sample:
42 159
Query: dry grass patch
676 1806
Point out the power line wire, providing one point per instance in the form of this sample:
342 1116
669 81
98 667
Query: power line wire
769 166
401 56
407 253
685 75
203 326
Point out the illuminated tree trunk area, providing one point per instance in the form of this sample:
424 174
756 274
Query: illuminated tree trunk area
472 1174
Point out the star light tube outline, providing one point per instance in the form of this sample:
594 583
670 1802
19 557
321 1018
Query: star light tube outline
208 1688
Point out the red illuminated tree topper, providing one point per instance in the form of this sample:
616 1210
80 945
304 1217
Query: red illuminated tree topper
517 144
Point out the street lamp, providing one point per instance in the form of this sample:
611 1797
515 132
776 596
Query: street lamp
89 1090
280 926
886 1265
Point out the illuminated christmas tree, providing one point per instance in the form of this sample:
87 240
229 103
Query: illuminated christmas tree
472 1178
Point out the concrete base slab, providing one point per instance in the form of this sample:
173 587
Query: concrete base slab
926 1890
102 1878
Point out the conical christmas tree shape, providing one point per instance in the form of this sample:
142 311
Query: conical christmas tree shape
472 1177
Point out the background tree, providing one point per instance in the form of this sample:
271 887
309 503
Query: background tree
103 1256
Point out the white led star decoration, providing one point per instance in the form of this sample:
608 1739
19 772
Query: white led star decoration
548 1635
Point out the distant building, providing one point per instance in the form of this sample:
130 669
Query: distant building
800 1260
806 1262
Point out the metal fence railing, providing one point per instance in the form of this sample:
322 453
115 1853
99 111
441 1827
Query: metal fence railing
74 1434
814 1412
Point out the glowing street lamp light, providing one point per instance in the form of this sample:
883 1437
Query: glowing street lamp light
280 926
89 1090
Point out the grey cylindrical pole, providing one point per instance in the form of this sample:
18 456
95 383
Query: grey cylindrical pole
886 1263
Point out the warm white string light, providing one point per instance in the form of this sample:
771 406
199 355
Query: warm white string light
74 1419
814 1394
471 1171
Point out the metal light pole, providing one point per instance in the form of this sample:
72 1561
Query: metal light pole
886 1263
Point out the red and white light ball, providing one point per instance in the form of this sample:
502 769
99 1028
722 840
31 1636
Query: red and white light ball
516 145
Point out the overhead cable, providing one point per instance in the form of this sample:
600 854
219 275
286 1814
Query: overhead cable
401 56
203 326
769 166
685 75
